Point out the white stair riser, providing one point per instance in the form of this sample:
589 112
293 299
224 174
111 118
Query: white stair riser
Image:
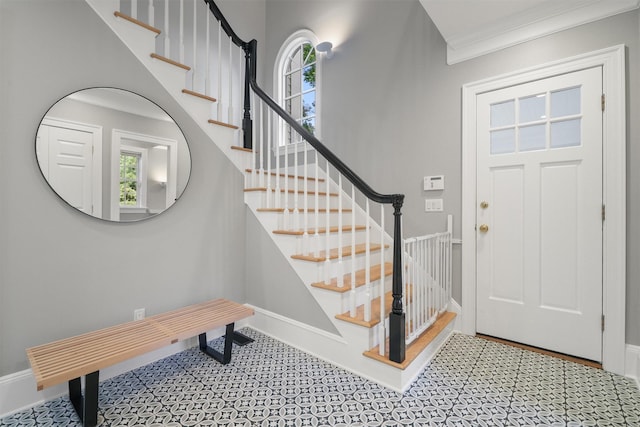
254 180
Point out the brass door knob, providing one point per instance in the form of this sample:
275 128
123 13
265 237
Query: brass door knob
484 228
484 205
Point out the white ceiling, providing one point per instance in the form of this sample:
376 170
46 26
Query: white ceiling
475 27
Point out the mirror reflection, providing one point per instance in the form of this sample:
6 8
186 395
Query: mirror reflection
113 154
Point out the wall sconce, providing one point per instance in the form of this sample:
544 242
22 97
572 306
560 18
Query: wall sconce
325 47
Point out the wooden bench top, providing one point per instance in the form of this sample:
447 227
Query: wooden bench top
74 357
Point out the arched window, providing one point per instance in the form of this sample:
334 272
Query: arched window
297 81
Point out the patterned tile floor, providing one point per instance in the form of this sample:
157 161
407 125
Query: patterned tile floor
471 382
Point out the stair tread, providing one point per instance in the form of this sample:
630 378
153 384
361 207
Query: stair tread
312 193
323 230
137 22
358 319
228 125
375 312
199 95
170 61
246 150
333 253
374 274
416 347
282 175
311 210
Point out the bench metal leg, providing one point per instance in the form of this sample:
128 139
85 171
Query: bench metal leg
229 338
86 407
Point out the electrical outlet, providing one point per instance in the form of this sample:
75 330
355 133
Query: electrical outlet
138 314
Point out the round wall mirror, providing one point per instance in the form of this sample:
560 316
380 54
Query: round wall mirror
113 154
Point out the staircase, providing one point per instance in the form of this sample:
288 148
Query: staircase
311 204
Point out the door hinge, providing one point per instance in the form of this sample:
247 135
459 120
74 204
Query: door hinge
604 213
603 323
602 101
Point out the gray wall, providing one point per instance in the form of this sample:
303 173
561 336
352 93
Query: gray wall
392 107
62 272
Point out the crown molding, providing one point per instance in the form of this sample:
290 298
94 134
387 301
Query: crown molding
533 23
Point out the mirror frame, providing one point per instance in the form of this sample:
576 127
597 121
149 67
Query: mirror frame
104 172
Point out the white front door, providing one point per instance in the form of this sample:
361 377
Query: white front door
539 213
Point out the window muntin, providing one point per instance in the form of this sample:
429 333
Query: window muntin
297 76
548 120
300 87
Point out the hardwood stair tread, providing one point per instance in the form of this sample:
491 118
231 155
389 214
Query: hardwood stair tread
323 230
311 210
246 150
170 61
374 274
311 193
137 22
199 95
282 175
416 347
375 312
333 253
358 319
219 123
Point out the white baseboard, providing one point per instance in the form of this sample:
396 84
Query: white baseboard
335 349
18 390
632 363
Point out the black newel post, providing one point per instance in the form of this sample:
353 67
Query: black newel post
249 73
397 341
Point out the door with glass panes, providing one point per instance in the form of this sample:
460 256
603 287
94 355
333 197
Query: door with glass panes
539 213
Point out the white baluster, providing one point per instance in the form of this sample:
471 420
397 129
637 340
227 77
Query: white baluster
286 218
268 153
316 238
260 147
296 210
340 272
167 41
151 13
219 59
276 151
367 267
207 57
327 246
134 9
305 234
230 77
352 296
195 42
254 143
181 47
381 326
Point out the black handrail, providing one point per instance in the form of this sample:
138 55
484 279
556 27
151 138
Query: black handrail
397 316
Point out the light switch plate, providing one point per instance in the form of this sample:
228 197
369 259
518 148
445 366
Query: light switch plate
433 205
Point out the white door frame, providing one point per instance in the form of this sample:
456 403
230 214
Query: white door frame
117 135
612 61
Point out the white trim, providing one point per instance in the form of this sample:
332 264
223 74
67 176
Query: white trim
543 20
336 350
18 390
612 61
632 366
278 69
96 180
117 135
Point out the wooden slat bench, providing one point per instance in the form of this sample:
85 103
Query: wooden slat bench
69 359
